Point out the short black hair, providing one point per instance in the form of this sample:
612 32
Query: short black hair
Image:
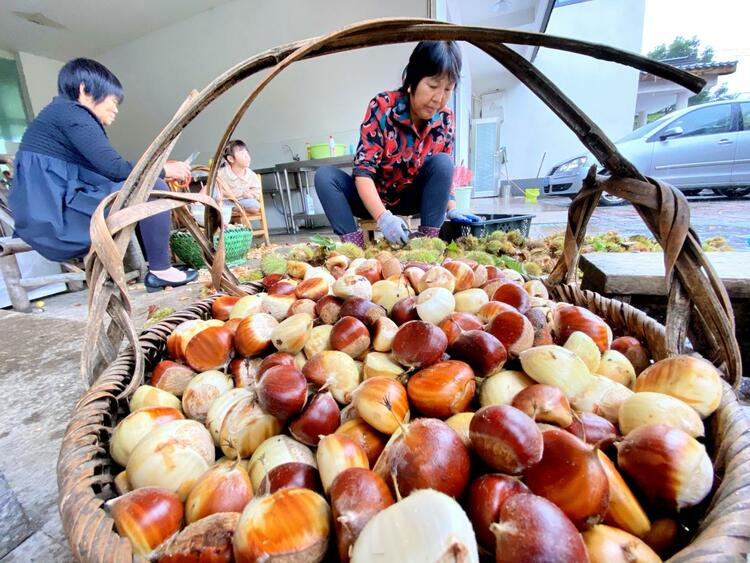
232 146
98 81
432 58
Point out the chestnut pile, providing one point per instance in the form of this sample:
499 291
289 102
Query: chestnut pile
410 413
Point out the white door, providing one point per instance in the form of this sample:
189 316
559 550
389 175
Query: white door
485 152
701 156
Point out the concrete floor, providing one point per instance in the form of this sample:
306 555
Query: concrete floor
40 382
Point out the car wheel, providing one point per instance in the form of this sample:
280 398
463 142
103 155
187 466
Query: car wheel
732 193
609 200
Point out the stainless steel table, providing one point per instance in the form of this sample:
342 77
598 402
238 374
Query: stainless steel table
300 171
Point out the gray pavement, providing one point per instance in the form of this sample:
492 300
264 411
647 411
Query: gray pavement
40 382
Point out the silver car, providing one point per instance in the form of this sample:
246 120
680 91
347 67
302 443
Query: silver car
696 148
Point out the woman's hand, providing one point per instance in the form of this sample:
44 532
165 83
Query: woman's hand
177 170
457 217
394 228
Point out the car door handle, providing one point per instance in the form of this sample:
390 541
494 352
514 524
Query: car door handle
725 141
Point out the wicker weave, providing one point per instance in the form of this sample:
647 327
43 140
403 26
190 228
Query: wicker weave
698 304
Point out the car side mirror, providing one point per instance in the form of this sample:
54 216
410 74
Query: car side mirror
671 132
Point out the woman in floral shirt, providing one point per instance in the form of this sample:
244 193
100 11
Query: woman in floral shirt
404 162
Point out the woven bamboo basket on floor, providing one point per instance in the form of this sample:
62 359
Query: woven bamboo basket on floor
699 314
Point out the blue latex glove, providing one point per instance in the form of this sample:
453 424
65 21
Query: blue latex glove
458 217
394 229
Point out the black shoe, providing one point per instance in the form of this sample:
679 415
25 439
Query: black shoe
154 283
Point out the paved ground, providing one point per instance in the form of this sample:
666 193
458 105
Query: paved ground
39 382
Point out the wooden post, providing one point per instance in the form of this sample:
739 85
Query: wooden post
19 299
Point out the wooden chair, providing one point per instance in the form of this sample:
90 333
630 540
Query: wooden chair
369 226
239 213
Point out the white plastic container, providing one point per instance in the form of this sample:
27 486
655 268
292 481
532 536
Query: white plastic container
463 197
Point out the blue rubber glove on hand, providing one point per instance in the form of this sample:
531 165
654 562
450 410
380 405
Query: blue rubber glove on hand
458 217
394 229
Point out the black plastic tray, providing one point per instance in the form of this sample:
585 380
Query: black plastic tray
489 223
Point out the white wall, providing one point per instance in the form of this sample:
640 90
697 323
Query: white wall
605 91
308 102
40 76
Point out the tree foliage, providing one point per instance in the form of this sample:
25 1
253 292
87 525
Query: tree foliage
682 47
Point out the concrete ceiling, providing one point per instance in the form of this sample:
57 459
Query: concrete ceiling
528 15
69 28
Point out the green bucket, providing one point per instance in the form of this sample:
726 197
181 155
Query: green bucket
237 241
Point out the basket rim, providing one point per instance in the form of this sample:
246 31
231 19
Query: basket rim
80 468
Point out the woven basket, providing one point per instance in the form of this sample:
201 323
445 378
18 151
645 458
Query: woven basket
699 308
237 241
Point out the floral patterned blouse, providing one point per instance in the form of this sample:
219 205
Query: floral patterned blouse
391 151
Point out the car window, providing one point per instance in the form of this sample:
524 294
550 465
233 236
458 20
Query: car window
745 112
644 130
705 121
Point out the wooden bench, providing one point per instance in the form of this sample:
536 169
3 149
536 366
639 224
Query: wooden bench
369 226
74 276
637 278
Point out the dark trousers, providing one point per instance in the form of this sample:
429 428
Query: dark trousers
428 195
154 235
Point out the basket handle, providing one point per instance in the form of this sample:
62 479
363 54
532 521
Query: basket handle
400 30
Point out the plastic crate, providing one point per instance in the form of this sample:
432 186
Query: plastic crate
489 223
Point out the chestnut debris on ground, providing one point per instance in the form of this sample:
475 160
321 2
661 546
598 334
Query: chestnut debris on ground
372 397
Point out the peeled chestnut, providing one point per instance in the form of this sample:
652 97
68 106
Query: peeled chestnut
313 289
487 494
505 438
544 403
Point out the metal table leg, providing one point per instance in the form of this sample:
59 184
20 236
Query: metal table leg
280 190
291 203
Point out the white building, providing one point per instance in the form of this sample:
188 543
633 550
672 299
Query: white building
655 94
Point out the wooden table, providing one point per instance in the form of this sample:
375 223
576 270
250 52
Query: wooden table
642 273
638 278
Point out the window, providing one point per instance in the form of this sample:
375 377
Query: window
745 113
705 121
13 116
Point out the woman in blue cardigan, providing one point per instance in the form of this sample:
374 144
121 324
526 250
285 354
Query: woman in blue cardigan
65 166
